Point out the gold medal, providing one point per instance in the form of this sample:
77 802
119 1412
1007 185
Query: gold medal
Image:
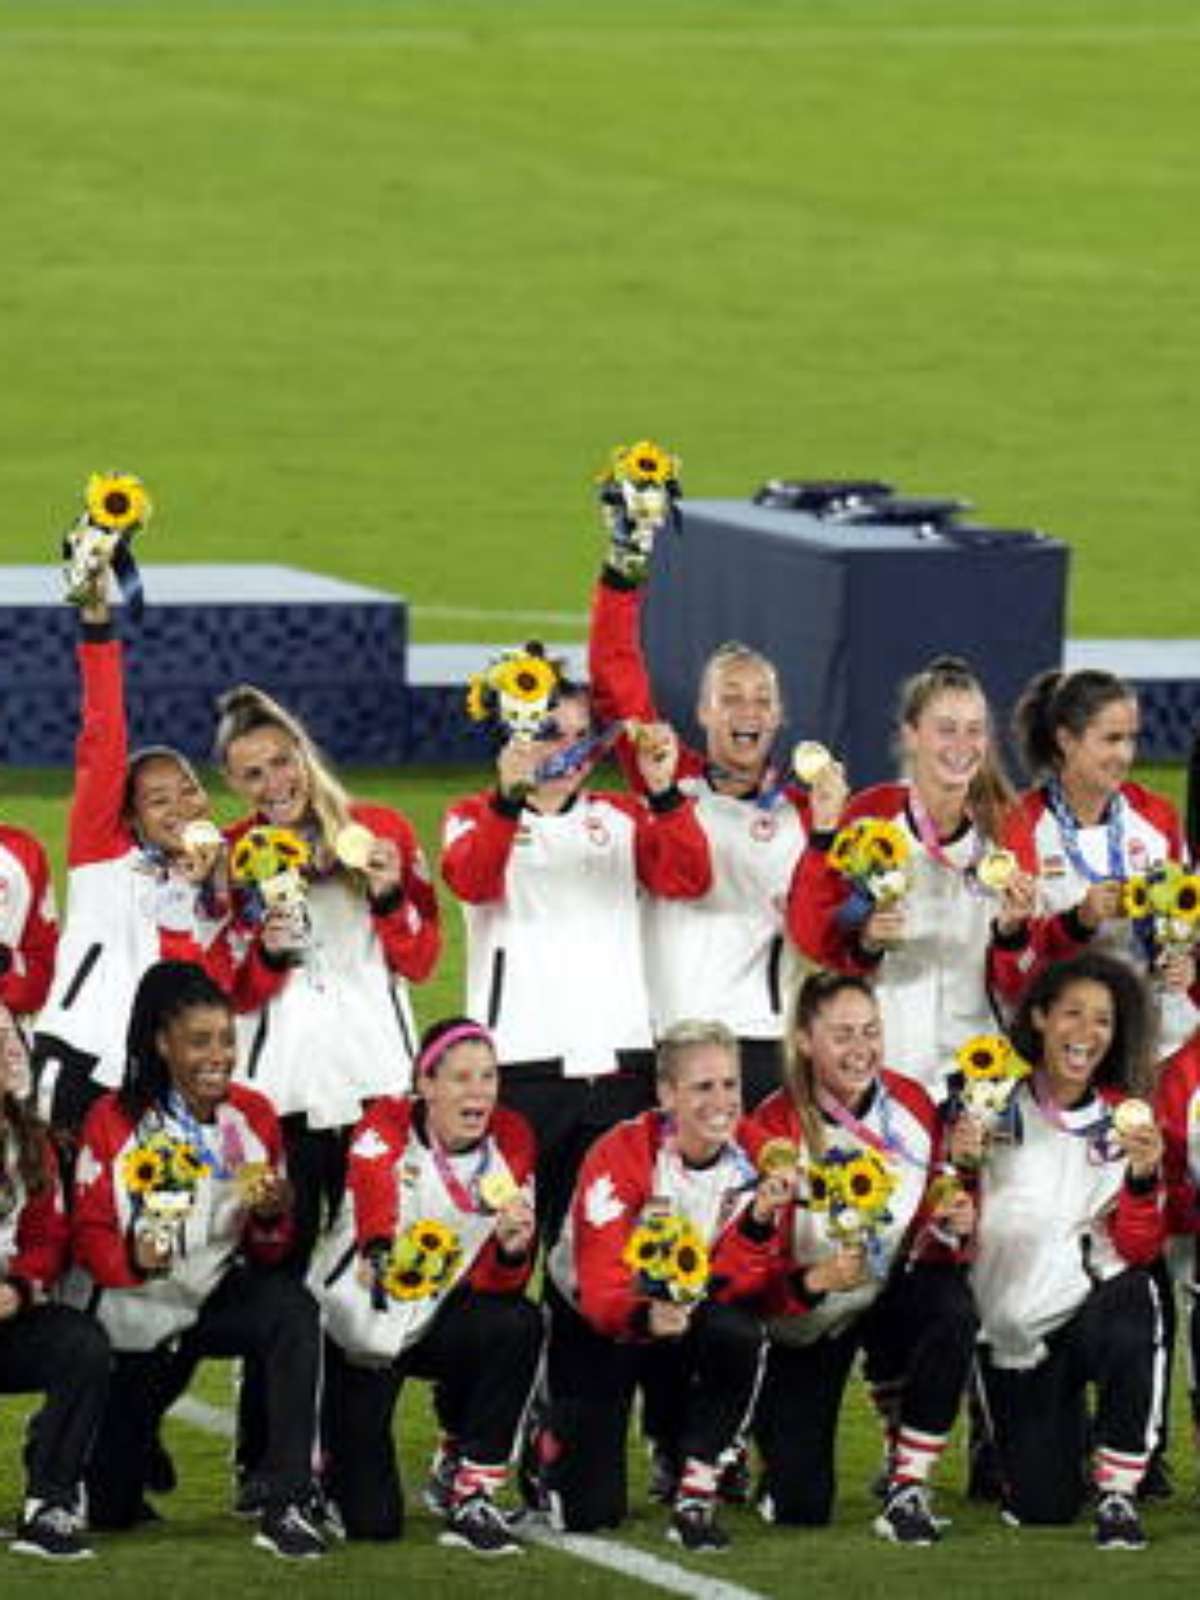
497 1190
353 846
810 760
1131 1116
251 1178
777 1155
997 869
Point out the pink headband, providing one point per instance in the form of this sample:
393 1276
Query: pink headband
433 1053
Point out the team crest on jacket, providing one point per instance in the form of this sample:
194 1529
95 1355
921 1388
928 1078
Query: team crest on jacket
600 1203
1137 855
764 827
596 832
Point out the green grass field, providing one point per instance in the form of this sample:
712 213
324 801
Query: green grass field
372 285
371 288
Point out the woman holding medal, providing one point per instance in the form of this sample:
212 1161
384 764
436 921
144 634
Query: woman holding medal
144 884
1071 1218
729 944
338 1030
658 1253
43 1348
423 1275
549 874
181 1206
871 1259
1090 829
959 920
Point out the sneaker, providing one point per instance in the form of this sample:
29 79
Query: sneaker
1117 1524
324 1514
287 1532
51 1533
906 1517
478 1524
694 1526
250 1496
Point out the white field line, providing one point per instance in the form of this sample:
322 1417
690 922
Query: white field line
648 1569
651 1570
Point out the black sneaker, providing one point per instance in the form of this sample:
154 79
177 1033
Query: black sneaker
324 1514
287 1532
694 1526
250 1496
438 1493
478 1524
1118 1526
906 1517
52 1533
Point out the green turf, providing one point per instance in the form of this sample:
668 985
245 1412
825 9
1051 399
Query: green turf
371 287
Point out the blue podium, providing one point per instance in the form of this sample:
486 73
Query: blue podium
846 612
332 652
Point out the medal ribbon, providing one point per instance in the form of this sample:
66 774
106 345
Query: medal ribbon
932 845
1068 827
232 1154
886 1143
1102 1147
464 1195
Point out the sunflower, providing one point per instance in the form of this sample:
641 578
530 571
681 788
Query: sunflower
644 463
821 1187
186 1166
441 1269
263 853
432 1237
987 1055
117 502
1135 899
405 1283
868 1183
524 677
844 852
687 1267
142 1170
883 846
1184 900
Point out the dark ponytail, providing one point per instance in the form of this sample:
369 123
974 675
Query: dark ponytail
1054 701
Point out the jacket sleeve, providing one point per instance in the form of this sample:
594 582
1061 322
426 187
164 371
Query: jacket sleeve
749 1256
376 1149
491 1272
620 681
477 842
97 830
408 924
267 1240
605 1209
1137 1223
99 1244
28 965
671 850
1172 1106
816 897
43 1234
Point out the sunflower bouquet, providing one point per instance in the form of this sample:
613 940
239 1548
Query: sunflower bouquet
422 1262
639 494
873 854
853 1187
668 1258
268 866
1163 906
161 1175
515 690
115 507
986 1073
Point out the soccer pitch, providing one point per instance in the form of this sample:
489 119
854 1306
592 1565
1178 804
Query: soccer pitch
371 288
